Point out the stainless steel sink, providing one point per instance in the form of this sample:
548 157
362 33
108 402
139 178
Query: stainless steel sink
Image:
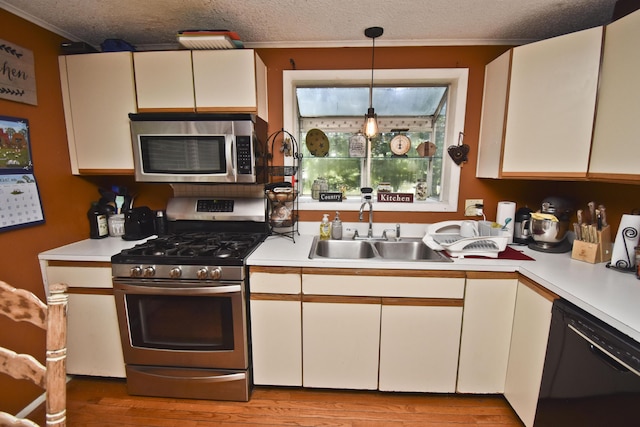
410 250
406 249
344 249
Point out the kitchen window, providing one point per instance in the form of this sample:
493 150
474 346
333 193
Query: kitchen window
425 105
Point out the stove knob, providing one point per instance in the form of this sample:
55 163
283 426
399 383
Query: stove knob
175 272
135 271
202 273
149 271
216 273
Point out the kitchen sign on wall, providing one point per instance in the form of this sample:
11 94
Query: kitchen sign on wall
17 74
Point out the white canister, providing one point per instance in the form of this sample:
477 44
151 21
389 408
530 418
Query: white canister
505 216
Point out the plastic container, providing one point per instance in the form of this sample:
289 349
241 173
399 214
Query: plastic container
98 228
325 228
336 227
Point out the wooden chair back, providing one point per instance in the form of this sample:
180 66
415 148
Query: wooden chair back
21 305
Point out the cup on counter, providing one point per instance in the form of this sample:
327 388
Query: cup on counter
468 229
115 223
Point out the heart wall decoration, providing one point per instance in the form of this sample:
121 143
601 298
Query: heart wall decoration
458 153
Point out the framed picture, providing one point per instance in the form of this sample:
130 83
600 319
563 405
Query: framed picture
20 203
15 147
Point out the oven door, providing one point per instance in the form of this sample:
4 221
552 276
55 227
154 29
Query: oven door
182 324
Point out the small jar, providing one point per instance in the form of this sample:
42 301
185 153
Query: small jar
384 187
421 190
319 185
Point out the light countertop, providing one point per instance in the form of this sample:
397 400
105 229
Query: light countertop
607 294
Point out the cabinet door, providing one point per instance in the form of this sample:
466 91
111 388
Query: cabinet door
419 347
551 106
276 325
164 81
486 333
341 342
225 80
492 123
93 335
276 340
98 94
616 151
532 318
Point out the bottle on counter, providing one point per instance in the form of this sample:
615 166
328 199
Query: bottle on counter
325 228
98 227
336 228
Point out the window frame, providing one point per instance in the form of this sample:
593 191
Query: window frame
457 78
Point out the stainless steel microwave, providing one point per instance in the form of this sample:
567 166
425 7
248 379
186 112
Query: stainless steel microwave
198 148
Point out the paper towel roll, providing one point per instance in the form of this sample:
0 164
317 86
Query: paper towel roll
507 210
623 255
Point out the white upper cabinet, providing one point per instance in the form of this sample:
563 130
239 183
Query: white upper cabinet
164 80
548 113
218 81
615 151
98 93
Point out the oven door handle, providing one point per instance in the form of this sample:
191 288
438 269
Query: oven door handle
161 290
239 376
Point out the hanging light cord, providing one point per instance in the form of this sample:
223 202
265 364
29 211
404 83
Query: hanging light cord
373 53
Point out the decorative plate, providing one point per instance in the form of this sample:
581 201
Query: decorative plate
317 143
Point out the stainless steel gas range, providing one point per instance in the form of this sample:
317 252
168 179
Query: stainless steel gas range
182 301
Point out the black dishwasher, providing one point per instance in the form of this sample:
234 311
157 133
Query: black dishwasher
591 373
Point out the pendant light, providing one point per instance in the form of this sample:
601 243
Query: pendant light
370 119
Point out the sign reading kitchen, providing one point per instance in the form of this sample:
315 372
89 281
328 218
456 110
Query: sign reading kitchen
17 74
384 197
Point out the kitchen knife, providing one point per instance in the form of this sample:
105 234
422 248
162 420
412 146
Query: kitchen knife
580 218
577 231
603 215
592 212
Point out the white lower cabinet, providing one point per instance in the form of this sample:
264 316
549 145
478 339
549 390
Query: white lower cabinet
489 302
419 346
393 330
531 322
276 329
93 336
341 341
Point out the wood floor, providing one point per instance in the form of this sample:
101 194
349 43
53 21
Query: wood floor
105 402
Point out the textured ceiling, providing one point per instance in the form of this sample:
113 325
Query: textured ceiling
291 23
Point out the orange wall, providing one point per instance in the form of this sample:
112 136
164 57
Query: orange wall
66 198
619 198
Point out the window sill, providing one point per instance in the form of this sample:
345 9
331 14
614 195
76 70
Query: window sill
352 203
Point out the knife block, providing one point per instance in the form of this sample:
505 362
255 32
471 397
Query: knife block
594 252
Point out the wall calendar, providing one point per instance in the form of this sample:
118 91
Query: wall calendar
20 204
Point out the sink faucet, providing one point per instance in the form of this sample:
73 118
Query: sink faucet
367 202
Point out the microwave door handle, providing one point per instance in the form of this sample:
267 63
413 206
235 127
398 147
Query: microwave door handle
231 159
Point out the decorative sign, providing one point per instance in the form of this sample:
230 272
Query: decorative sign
17 74
331 197
19 197
395 197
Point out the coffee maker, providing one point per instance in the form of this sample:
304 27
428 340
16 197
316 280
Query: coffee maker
521 233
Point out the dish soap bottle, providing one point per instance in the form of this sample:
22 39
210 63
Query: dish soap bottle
325 228
336 228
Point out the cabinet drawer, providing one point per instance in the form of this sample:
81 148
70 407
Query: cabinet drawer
383 286
82 276
278 280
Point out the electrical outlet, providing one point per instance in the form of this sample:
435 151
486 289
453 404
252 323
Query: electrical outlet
470 206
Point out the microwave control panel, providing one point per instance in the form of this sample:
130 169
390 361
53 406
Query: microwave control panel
244 155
